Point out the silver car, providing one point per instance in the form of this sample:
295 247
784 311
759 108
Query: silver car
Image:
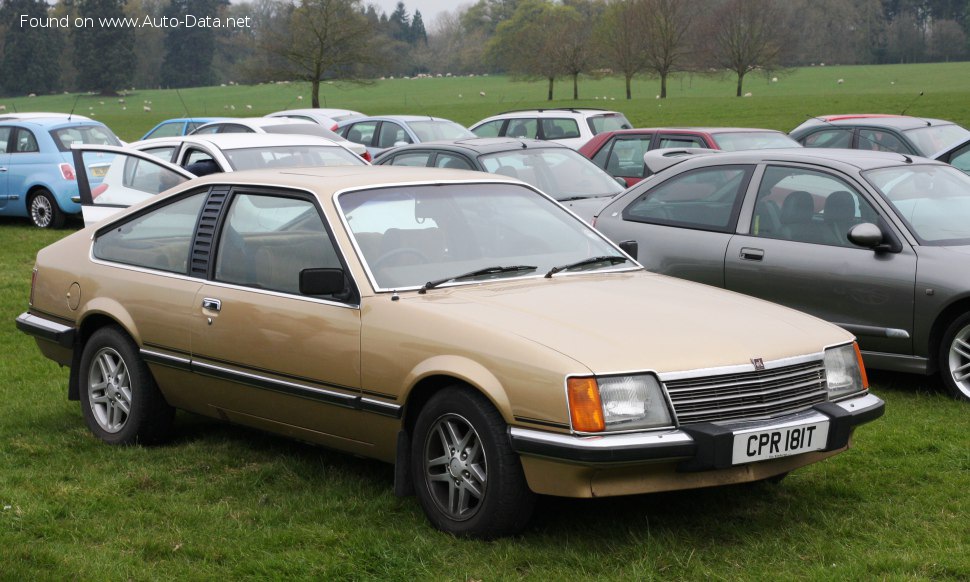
878 243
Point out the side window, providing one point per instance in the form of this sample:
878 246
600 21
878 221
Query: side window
829 138
25 142
527 128
268 240
490 129
419 159
209 129
807 206
626 159
4 138
160 239
960 159
681 141
163 153
452 162
392 134
706 199
167 130
123 180
234 128
560 128
195 155
362 133
883 141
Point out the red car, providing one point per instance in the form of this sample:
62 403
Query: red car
620 152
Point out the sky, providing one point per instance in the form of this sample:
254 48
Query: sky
430 9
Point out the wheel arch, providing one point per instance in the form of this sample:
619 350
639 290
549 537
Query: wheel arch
940 323
91 323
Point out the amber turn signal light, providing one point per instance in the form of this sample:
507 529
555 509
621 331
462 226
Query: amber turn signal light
862 367
585 407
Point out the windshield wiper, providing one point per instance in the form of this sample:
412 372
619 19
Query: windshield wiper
477 273
611 259
585 197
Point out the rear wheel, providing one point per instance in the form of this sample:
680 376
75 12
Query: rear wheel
468 480
954 358
119 399
43 211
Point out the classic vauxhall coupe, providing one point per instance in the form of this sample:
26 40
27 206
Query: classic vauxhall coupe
460 325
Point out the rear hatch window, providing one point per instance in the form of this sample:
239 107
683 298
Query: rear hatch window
65 137
608 122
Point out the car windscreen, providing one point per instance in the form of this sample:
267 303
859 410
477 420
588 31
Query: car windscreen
65 137
410 235
934 201
432 130
753 140
931 139
561 173
257 158
608 122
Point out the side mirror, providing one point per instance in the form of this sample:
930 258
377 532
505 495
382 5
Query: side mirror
400 143
621 182
630 247
322 281
866 235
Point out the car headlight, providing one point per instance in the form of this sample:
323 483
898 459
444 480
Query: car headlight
617 403
844 371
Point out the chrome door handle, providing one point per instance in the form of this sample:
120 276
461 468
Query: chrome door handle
749 254
3 169
211 304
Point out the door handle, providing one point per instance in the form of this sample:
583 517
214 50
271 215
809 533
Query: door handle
3 169
211 304
749 254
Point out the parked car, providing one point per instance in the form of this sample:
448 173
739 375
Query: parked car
380 133
877 243
555 169
278 125
164 163
179 126
568 126
620 153
366 310
957 155
37 179
891 133
43 115
328 118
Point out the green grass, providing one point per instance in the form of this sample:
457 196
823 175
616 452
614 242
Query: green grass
223 502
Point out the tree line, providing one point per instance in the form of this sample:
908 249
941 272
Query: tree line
552 40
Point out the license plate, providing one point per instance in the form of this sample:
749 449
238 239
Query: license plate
760 445
99 171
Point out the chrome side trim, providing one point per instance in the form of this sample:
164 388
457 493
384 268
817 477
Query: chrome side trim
382 408
896 362
275 385
169 360
873 331
39 327
741 368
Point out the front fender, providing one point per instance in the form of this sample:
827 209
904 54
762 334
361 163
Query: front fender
466 370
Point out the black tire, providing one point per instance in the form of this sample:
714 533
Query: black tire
954 358
43 211
119 399
447 488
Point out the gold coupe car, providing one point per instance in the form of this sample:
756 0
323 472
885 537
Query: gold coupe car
462 326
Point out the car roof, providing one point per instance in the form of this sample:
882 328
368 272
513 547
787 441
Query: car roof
230 141
43 114
861 159
480 145
401 118
195 119
901 122
54 122
324 111
578 110
698 130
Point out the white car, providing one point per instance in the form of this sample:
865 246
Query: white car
328 118
116 178
278 125
568 126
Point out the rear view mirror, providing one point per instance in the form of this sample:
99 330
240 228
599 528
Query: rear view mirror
630 247
322 281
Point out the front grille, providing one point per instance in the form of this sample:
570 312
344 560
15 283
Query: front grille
748 395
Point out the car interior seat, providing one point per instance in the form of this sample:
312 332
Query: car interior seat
839 215
796 217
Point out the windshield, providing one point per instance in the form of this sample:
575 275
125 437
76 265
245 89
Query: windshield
432 130
753 140
65 137
561 173
934 201
932 139
410 235
291 157
610 122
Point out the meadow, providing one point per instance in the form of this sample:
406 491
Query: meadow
222 502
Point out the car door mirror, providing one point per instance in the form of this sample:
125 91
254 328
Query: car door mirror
866 235
630 247
620 181
400 143
322 281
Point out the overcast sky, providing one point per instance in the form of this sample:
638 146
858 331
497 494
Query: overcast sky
430 9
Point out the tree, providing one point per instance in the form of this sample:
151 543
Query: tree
666 34
103 53
418 35
742 35
400 23
620 40
189 51
326 39
31 55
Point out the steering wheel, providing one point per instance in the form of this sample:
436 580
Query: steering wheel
379 262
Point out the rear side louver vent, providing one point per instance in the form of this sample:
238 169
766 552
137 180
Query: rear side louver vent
206 232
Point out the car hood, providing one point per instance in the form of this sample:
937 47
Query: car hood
587 208
633 321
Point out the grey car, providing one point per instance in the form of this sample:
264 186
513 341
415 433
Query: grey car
878 243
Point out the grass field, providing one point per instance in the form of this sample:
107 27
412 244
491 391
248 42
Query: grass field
223 502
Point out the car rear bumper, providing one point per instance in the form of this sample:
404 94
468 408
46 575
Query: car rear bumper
45 329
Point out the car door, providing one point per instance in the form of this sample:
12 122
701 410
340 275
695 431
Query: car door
882 140
363 132
6 197
958 157
792 248
279 359
622 157
683 224
111 178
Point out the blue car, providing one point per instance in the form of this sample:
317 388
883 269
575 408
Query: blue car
179 126
37 177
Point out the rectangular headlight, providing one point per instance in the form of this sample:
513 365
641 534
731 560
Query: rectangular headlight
844 371
623 403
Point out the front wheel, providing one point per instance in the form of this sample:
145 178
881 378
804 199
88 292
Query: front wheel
119 399
468 480
43 211
955 358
